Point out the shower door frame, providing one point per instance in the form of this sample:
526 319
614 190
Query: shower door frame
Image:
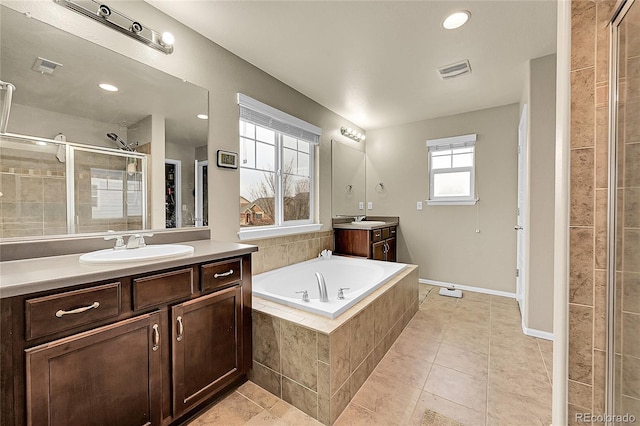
622 7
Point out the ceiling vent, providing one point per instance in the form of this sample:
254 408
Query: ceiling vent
45 66
455 70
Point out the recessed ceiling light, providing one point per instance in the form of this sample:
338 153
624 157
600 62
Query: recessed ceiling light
108 87
456 20
202 116
41 143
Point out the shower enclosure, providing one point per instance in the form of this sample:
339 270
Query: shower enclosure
623 299
52 187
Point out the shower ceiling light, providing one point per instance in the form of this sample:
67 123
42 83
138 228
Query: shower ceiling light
108 87
352 134
120 22
456 20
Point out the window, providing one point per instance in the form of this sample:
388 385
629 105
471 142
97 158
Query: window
276 168
452 170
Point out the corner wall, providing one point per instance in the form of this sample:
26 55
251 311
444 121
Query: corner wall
442 240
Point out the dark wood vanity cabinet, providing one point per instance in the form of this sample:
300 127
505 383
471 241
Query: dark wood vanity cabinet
148 349
377 244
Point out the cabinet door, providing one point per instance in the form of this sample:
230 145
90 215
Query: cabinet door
378 250
391 250
107 376
207 346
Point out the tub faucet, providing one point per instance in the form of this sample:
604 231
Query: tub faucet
322 286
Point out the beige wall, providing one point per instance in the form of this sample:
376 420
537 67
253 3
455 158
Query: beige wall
206 64
541 159
442 240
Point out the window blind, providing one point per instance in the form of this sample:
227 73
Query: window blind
452 142
256 112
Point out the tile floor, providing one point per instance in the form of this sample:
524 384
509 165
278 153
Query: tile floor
464 358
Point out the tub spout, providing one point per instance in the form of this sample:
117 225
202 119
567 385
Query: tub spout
322 286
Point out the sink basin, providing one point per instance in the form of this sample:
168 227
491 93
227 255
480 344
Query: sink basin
368 223
152 252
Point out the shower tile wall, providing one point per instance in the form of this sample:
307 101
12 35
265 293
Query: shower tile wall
588 208
33 187
33 200
588 222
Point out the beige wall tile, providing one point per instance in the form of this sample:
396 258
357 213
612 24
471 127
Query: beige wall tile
581 266
631 161
324 410
274 257
583 31
604 11
298 251
631 406
631 250
632 128
631 376
602 147
266 378
300 397
631 291
599 380
580 343
361 373
324 380
600 246
383 310
323 347
600 311
580 395
299 349
339 401
266 340
631 334
361 340
582 196
339 357
582 108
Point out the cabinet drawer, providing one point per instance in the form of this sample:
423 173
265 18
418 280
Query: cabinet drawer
386 233
159 289
220 274
376 235
52 314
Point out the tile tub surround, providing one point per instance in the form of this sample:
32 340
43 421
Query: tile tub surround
318 364
277 252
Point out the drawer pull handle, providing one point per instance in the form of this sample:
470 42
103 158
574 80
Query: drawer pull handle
156 337
62 313
224 274
180 329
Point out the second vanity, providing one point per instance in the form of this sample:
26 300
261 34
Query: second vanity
373 238
144 343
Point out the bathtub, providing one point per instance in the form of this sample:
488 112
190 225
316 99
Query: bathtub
359 278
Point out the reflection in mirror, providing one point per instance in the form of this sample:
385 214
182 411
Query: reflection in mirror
347 180
118 136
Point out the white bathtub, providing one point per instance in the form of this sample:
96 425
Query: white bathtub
360 276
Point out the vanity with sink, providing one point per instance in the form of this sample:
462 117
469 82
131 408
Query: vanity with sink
144 341
370 237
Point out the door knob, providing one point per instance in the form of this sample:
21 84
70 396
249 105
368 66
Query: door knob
517 228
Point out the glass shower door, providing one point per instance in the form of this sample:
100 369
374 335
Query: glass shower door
624 228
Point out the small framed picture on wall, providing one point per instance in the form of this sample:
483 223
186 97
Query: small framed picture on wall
227 159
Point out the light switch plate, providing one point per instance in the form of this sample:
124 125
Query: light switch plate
370 205
419 205
361 205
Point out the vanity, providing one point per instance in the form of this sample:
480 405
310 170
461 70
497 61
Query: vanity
373 238
140 343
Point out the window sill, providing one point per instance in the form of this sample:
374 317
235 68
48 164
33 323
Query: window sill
451 203
267 232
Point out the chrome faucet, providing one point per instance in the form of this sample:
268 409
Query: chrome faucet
137 241
322 287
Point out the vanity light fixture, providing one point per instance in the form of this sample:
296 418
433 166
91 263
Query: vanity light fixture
456 20
108 87
352 134
120 22
203 116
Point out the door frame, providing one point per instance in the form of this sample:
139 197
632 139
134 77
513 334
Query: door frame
199 199
178 194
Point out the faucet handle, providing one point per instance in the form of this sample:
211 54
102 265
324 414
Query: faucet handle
341 293
119 240
305 295
141 242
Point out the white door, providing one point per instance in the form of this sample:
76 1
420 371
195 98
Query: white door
521 212
201 193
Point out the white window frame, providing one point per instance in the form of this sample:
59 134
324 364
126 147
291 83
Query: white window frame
455 142
260 114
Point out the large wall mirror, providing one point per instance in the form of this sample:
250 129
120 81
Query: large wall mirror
84 163
348 181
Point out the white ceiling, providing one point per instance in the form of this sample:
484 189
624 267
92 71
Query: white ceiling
374 62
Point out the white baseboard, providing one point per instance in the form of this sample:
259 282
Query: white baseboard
468 288
537 333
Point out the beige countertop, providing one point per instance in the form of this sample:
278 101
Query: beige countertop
18 277
365 226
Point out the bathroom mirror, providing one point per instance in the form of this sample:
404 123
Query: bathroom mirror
347 180
56 75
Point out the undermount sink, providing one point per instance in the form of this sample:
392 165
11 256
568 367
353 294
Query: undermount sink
152 252
368 223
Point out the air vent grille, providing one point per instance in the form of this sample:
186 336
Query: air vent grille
455 70
45 66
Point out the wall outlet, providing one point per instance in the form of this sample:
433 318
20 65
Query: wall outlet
184 207
370 205
361 205
419 205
